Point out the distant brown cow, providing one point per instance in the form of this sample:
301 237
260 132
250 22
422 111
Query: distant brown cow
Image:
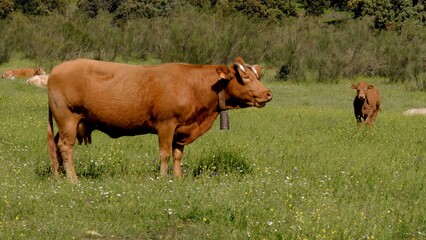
23 72
366 103
178 102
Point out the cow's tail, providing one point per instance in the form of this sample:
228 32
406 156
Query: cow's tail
51 145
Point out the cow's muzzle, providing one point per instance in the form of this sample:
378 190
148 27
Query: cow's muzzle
262 101
361 96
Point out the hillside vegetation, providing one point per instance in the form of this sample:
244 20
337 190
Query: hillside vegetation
343 40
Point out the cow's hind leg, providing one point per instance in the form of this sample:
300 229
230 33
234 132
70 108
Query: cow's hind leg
52 146
55 157
67 136
58 165
373 118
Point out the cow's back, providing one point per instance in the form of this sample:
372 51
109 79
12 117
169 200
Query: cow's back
24 72
124 96
102 92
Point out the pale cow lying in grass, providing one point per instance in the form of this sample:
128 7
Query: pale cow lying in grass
38 80
415 111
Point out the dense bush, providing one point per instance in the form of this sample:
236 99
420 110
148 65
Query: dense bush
123 11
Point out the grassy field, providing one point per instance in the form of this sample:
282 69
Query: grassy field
297 169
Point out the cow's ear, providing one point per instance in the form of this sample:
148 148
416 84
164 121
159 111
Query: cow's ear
354 86
224 72
239 60
370 87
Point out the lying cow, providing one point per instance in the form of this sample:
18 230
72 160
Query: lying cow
366 103
23 72
38 80
415 111
178 102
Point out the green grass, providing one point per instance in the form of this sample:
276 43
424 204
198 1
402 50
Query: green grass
297 169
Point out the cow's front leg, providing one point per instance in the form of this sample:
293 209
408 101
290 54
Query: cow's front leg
166 131
369 121
358 120
177 158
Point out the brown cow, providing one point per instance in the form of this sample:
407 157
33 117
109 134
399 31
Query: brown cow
178 102
23 72
366 103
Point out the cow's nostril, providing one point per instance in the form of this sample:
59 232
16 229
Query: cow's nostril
269 95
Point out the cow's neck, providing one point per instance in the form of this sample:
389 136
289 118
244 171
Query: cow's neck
220 88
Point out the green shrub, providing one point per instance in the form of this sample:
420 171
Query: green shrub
5 51
5 47
222 163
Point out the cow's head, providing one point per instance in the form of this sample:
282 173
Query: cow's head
8 74
362 89
244 88
40 71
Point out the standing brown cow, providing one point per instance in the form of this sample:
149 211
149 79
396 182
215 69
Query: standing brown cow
178 102
366 103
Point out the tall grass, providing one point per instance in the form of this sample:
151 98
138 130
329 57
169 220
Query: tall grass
308 48
311 174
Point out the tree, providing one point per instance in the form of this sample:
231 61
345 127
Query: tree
41 7
339 4
275 10
357 7
388 14
89 7
6 7
420 12
284 8
316 7
131 9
